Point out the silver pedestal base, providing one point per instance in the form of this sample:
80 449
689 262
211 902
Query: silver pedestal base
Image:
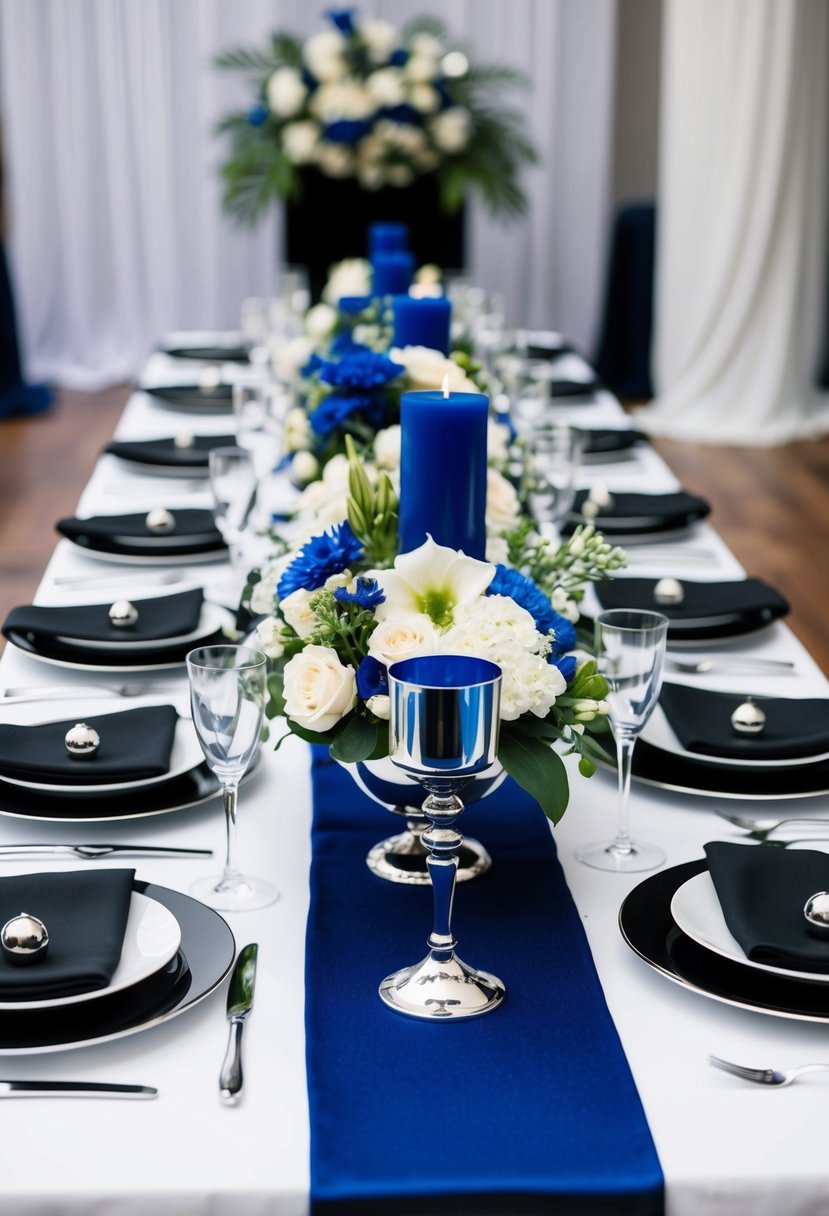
445 990
402 858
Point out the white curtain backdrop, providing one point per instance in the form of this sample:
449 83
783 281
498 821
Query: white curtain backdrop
114 221
741 259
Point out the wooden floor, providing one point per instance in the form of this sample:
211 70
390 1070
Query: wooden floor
771 505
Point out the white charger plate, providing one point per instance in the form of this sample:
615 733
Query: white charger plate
186 754
659 732
151 938
696 910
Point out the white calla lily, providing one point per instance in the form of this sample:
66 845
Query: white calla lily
433 580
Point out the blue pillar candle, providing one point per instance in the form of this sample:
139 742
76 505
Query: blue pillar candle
392 272
422 322
443 470
387 238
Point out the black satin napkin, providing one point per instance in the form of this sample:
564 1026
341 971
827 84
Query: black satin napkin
644 513
135 746
708 610
194 532
607 440
701 720
85 913
164 452
159 618
762 893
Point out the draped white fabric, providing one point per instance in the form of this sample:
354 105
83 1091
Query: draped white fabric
115 226
742 221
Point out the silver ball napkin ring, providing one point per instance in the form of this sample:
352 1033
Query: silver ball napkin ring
123 614
748 718
160 521
669 591
24 939
816 912
82 741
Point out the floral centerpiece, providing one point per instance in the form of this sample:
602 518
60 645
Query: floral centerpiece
344 605
363 100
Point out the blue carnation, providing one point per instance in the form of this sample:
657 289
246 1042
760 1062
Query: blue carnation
372 679
329 553
525 593
343 18
367 594
361 368
257 115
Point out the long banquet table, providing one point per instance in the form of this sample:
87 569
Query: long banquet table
725 1146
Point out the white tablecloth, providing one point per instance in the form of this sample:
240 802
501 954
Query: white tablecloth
726 1147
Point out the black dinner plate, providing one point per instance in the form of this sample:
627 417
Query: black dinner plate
709 612
164 454
670 771
606 443
635 515
210 354
216 400
204 958
119 660
651 932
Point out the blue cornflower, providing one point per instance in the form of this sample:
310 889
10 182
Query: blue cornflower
367 594
324 555
372 679
335 409
343 18
313 365
361 368
257 115
525 592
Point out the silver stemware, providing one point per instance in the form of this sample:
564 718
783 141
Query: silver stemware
444 727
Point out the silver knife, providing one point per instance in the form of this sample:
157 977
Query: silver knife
92 852
239 1005
73 1089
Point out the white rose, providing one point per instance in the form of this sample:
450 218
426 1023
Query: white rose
323 55
348 99
502 506
424 98
401 637
426 44
451 129
387 445
299 141
290 357
380 706
319 690
286 92
268 634
304 468
380 37
497 442
421 68
320 320
386 86
427 368
296 611
351 277
297 429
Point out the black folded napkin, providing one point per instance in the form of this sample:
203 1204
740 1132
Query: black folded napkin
163 616
575 388
194 531
193 396
644 513
164 452
762 893
602 440
701 720
712 610
85 914
135 746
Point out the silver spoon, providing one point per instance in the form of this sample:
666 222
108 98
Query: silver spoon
759 829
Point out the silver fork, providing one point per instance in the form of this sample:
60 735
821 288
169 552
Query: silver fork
760 829
17 696
94 580
698 667
765 1076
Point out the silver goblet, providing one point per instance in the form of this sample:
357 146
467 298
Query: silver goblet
443 731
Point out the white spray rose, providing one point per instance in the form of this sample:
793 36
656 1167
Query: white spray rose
402 636
319 690
380 706
268 634
299 141
286 92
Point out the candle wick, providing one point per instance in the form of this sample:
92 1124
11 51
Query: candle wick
445 385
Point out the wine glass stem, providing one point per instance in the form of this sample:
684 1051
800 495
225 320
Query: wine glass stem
443 841
229 794
624 753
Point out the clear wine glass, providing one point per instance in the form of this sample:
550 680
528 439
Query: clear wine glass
227 695
260 426
553 463
444 721
630 651
233 486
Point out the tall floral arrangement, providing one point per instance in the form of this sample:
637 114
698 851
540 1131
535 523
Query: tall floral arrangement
381 105
342 606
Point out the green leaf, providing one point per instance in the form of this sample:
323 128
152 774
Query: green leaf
356 740
538 770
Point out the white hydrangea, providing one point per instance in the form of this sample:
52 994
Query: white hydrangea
286 92
494 627
451 129
299 141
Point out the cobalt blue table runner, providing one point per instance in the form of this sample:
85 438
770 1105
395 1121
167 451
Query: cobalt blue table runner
531 1108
